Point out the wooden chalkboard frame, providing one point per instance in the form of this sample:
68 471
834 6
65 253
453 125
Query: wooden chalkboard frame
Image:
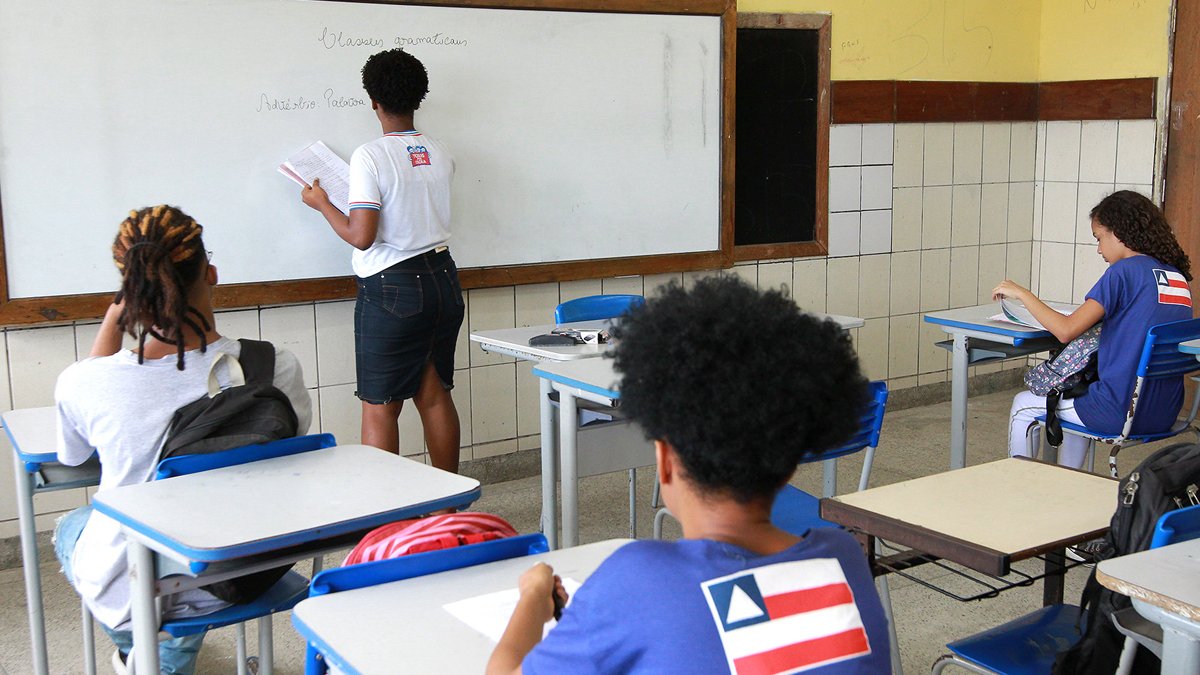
65 308
820 244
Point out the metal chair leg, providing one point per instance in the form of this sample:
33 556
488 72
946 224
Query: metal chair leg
89 641
266 646
633 503
241 649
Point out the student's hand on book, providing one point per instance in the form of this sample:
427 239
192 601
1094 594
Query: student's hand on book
1010 289
314 196
539 586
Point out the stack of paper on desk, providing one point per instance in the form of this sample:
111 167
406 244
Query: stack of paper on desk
318 161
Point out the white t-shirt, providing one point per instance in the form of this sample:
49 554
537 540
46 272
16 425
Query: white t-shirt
121 409
405 176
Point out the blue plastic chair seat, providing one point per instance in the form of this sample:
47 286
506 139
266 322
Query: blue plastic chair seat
281 597
1024 645
795 511
1084 431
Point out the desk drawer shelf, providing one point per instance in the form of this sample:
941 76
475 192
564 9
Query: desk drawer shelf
983 351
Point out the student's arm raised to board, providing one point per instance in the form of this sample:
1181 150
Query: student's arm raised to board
1064 327
357 229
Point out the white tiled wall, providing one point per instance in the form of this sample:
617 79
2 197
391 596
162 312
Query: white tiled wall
923 217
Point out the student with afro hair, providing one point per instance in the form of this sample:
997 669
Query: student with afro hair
410 304
735 387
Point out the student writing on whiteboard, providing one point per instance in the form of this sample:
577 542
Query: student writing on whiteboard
736 594
119 402
410 304
1146 283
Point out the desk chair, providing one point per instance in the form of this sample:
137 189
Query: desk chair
281 597
1161 358
1173 527
409 566
593 308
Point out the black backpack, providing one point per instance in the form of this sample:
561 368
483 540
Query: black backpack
1164 481
244 414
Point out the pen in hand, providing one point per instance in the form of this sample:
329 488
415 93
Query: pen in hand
559 603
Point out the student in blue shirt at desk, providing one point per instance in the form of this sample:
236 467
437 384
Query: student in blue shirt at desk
735 387
1146 284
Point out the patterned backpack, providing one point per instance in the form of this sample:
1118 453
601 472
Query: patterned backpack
1067 375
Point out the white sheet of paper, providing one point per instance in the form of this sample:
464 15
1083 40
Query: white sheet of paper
1016 313
318 161
489 613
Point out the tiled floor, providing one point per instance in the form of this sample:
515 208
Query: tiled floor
914 443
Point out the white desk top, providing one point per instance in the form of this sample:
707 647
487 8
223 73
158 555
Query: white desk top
515 341
1166 577
402 626
977 319
1010 506
32 432
244 510
1190 347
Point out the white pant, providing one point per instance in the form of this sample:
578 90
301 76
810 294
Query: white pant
1028 405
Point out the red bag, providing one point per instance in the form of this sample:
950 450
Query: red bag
433 533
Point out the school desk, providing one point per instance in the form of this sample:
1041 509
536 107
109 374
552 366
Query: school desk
1190 347
402 626
984 517
193 530
976 339
36 470
515 342
1164 584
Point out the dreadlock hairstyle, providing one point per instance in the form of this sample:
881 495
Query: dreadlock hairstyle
395 80
1139 224
160 255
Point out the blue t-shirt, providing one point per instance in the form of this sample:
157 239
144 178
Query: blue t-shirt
1136 292
702 606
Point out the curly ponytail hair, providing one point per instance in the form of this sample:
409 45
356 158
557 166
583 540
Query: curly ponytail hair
160 255
1140 225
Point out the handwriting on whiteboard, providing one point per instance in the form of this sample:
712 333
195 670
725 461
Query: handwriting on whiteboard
336 39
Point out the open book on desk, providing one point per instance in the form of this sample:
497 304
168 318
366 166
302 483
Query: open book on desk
318 161
1014 312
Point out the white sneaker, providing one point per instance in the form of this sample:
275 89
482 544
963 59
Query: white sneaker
122 667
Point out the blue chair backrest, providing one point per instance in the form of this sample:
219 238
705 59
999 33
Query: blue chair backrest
1176 526
868 428
421 564
188 464
1160 354
594 307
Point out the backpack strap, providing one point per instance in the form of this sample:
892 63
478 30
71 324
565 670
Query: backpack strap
258 361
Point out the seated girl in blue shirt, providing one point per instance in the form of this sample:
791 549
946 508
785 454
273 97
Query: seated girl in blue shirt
1146 284
735 387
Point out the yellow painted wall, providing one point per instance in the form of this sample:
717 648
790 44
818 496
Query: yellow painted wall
1099 39
990 40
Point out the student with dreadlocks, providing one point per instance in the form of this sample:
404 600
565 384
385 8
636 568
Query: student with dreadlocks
119 403
410 304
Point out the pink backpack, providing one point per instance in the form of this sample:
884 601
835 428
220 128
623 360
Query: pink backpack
432 533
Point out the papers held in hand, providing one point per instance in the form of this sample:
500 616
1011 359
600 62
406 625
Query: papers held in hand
318 161
1013 311
567 337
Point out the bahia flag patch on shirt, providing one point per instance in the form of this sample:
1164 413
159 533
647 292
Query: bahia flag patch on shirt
1172 288
787 617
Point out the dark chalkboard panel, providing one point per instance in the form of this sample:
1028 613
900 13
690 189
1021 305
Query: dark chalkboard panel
777 97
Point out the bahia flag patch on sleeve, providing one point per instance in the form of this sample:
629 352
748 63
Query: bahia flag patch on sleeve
787 617
1172 288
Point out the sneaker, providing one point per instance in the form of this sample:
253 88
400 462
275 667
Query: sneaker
1086 552
118 663
122 664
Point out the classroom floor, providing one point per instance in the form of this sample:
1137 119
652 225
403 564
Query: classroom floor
913 444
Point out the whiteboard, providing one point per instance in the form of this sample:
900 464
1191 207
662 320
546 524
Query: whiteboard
576 135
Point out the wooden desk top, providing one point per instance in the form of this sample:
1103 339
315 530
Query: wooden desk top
986 516
1166 577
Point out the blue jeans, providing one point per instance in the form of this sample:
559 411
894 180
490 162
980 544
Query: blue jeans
177 655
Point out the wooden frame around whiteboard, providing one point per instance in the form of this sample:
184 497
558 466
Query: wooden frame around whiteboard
25 311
